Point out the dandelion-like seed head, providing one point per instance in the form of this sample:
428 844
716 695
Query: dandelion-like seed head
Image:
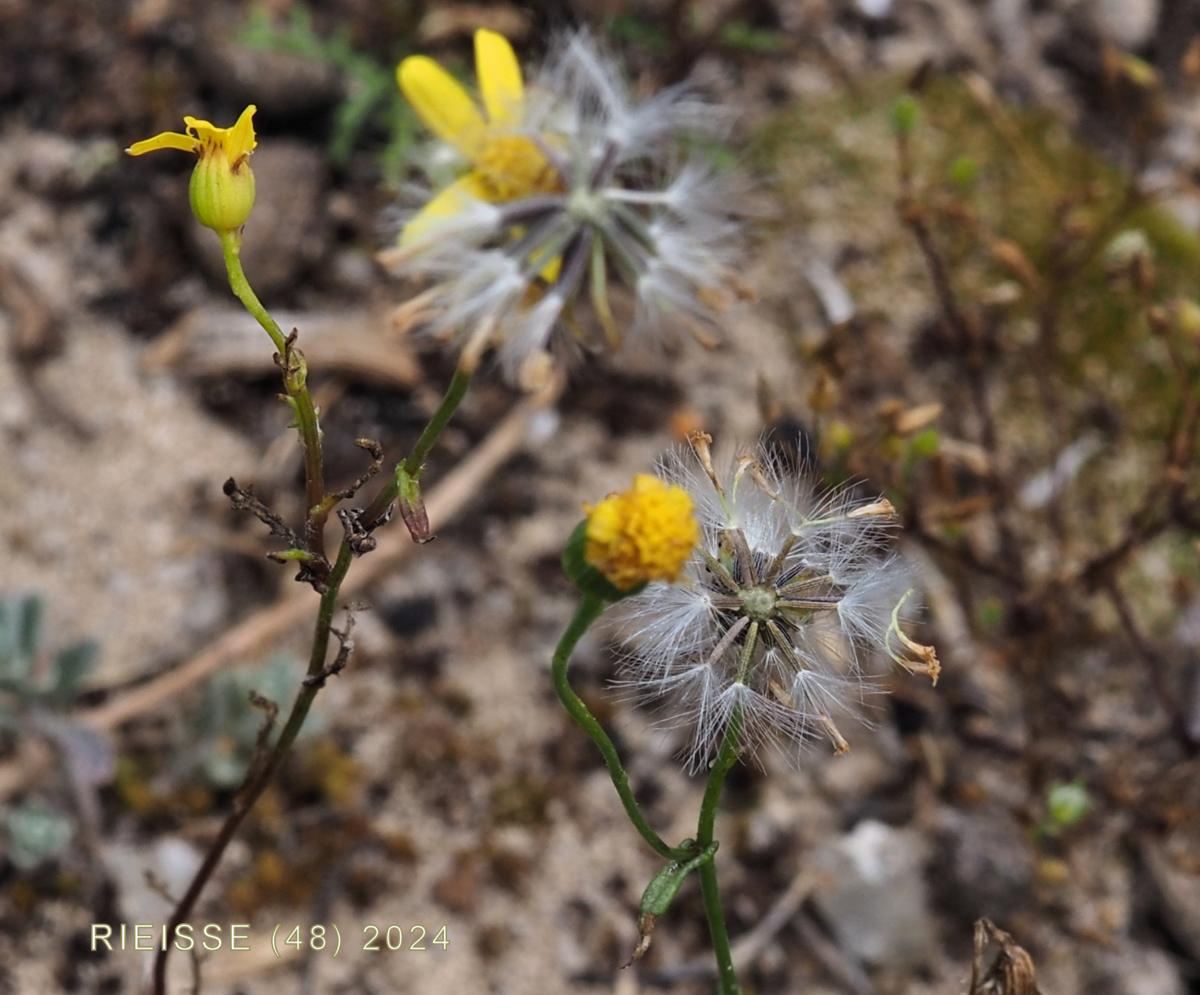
646 533
588 189
772 622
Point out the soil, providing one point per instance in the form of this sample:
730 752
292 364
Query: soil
441 789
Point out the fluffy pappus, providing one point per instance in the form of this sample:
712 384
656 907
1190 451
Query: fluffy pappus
769 634
587 190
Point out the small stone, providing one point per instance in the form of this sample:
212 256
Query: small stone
873 895
983 865
281 84
1130 970
458 888
1128 24
1176 887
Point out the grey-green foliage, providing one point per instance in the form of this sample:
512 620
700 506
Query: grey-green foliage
372 97
36 833
24 677
225 726
33 686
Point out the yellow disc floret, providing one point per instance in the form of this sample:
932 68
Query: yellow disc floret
645 533
505 164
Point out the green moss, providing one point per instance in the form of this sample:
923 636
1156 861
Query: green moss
1024 215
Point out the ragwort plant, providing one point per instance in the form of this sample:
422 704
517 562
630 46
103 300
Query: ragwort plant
753 604
565 190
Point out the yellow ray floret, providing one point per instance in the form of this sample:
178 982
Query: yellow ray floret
505 165
222 186
645 533
204 138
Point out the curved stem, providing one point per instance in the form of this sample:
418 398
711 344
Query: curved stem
258 782
231 246
588 611
295 382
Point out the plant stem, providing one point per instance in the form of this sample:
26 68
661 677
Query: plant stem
727 983
414 462
588 611
231 246
295 382
258 782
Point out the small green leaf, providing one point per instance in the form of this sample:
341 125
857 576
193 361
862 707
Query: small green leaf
29 629
906 112
964 171
633 30
924 444
1066 804
71 666
661 892
764 41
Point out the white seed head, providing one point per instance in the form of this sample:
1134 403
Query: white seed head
788 599
623 206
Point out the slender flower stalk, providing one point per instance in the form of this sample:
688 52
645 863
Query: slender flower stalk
588 611
295 383
222 196
727 983
753 604
258 780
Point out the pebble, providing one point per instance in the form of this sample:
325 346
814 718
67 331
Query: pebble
873 895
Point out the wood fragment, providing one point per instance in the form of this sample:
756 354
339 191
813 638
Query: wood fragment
1010 969
244 640
217 342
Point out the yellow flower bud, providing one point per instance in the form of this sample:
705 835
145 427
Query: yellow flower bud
222 186
645 533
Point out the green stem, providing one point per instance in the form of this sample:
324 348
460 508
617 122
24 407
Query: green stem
257 784
727 983
295 382
231 245
588 611
414 462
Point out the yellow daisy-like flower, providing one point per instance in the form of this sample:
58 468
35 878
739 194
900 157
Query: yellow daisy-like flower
222 185
645 533
505 165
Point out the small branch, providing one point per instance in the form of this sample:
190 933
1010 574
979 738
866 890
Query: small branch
247 500
270 712
970 345
1156 670
375 451
462 486
258 783
345 649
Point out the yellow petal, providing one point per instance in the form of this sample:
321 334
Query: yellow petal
445 204
551 270
204 130
499 76
165 140
240 140
441 103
